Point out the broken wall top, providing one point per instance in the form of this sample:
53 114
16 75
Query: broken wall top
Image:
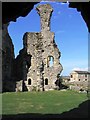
45 12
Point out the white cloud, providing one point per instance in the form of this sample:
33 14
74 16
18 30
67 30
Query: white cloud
80 69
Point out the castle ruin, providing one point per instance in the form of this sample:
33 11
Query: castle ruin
40 55
37 65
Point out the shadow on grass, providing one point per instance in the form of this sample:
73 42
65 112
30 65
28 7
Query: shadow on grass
82 111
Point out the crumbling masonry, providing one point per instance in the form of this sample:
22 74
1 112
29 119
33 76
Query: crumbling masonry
38 62
37 65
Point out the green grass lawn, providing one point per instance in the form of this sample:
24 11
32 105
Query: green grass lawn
41 102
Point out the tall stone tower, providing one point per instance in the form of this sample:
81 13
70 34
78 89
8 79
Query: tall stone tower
40 72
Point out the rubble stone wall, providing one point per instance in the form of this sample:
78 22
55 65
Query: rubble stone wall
41 46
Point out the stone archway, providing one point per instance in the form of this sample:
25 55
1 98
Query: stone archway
25 8
83 11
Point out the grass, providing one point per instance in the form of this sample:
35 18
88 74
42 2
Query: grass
41 102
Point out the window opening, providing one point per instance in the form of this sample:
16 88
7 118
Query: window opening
71 76
29 81
50 61
46 81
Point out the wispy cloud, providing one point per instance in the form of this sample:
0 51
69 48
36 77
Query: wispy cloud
68 70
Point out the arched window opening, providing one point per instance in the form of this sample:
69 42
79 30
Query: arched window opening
29 81
46 81
50 61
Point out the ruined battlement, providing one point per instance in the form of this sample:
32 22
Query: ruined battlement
42 65
45 12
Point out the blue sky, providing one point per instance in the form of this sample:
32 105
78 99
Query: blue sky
71 35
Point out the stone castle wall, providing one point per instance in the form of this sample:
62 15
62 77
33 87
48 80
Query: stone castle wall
37 65
38 72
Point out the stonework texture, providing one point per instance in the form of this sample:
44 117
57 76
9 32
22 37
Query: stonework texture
38 63
79 80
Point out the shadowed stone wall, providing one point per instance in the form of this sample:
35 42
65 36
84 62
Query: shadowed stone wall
7 61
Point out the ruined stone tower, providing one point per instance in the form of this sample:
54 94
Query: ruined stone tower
40 55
